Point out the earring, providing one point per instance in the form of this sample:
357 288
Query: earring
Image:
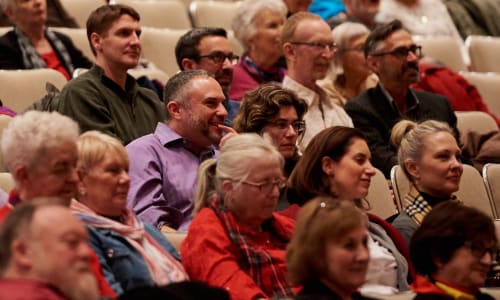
82 191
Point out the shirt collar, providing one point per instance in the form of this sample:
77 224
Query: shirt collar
411 98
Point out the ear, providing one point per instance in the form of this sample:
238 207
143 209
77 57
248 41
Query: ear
373 63
189 64
21 175
96 41
288 51
412 168
227 185
174 110
21 255
8 12
328 165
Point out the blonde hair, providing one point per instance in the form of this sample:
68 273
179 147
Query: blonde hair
409 137
321 220
93 146
237 155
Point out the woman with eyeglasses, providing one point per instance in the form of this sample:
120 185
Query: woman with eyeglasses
337 163
236 241
430 157
257 25
452 252
276 114
328 254
349 75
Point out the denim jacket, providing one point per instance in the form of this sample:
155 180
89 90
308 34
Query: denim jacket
124 267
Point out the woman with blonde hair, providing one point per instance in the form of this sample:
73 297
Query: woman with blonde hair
132 254
429 155
236 241
328 253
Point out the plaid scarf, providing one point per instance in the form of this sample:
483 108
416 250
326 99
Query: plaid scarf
33 60
416 206
254 258
162 267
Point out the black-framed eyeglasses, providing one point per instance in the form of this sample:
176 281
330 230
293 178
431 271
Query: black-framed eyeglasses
282 124
219 57
318 45
402 52
479 250
266 186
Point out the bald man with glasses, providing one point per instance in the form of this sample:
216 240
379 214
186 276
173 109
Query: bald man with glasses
309 48
392 55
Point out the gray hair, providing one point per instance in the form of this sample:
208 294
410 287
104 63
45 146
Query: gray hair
343 35
409 137
237 155
176 87
28 135
243 21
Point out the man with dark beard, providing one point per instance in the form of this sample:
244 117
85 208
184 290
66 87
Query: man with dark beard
393 56
164 165
44 254
209 49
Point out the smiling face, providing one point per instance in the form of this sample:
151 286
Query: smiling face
350 177
284 140
347 261
439 169
120 47
201 115
266 39
106 185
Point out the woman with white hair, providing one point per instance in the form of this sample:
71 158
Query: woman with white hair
349 75
257 25
236 241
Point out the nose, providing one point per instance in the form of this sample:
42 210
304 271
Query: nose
363 253
486 259
227 63
370 170
412 56
290 131
73 175
124 178
221 110
84 251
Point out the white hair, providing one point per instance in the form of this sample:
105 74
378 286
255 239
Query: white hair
243 21
29 134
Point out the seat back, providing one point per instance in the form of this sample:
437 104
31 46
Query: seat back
21 88
491 176
81 9
472 190
158 46
379 197
400 185
488 85
79 38
7 182
483 53
477 121
213 13
171 14
445 49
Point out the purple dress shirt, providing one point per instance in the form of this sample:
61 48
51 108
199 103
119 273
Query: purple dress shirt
163 173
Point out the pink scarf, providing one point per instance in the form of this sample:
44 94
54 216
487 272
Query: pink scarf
162 266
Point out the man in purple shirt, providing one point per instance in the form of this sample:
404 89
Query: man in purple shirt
164 164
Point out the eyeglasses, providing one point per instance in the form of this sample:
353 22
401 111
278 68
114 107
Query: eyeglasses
219 57
321 46
402 52
479 250
266 186
282 124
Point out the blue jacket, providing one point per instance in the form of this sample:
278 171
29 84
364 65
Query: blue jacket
124 268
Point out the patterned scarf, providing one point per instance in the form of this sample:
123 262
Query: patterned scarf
33 60
162 266
253 259
275 74
416 206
